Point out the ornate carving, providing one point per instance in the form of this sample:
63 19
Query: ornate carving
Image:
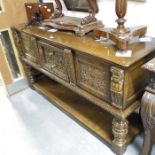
70 66
148 118
92 11
53 59
80 26
94 78
120 131
148 110
17 40
117 83
58 13
59 61
89 73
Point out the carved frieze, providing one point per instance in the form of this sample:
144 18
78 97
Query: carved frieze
117 83
53 59
94 78
89 73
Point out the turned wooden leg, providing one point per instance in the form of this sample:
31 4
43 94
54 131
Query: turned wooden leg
148 119
120 131
29 74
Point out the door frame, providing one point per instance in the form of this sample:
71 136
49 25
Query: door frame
10 80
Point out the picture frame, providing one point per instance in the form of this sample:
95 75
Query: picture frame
78 5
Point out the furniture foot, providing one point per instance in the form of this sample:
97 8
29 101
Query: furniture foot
148 118
120 131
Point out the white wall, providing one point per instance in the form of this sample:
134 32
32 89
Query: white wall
138 14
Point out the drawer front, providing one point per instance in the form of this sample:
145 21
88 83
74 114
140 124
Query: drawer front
53 59
30 47
93 77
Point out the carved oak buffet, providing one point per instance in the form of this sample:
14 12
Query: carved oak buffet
75 72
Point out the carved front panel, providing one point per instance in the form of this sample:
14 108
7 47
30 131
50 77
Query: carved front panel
53 59
93 77
29 47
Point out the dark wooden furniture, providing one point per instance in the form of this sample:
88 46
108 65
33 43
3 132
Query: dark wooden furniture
80 26
148 110
121 35
90 83
45 9
80 5
58 11
73 24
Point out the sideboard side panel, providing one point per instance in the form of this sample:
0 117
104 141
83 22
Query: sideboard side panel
30 48
135 82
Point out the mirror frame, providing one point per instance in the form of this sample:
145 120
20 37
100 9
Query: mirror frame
69 7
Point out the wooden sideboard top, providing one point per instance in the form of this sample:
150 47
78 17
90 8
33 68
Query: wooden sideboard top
88 45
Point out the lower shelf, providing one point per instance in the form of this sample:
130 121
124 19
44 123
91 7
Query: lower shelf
89 115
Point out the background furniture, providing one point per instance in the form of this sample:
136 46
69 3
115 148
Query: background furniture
45 9
121 35
148 110
80 26
80 5
90 83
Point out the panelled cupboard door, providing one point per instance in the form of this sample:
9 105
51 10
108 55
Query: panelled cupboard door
53 59
93 77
